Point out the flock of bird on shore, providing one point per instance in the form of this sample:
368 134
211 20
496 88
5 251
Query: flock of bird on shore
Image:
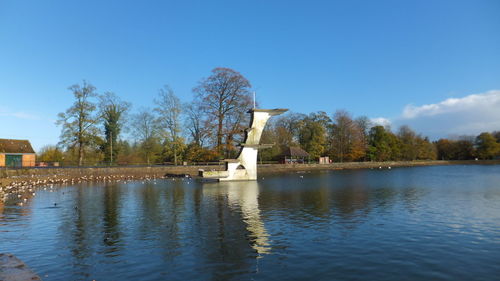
25 189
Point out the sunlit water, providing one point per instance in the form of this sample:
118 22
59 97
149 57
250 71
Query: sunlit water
425 223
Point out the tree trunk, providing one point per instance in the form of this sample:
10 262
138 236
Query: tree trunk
80 154
219 136
175 155
229 142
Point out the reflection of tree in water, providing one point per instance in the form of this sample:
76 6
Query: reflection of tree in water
411 196
93 225
13 217
318 195
352 199
348 196
161 211
80 222
80 249
111 219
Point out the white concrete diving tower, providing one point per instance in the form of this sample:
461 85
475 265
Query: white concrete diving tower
244 167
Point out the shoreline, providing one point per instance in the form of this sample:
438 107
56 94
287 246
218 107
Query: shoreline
22 183
14 269
282 168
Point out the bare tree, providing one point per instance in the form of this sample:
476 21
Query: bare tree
223 93
196 123
169 109
288 128
79 121
235 123
145 129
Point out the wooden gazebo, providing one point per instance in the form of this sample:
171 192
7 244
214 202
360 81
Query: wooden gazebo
294 155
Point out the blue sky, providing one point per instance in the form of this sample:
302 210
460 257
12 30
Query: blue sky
392 60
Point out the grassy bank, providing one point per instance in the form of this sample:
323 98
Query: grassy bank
277 168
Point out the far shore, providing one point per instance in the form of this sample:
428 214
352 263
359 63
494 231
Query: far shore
281 168
23 182
8 175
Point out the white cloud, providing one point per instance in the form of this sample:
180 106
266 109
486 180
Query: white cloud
380 121
469 115
452 105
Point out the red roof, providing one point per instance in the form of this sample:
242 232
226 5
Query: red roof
15 146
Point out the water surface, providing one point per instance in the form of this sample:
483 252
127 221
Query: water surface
423 223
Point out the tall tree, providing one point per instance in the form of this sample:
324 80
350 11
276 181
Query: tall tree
364 124
312 138
313 133
346 143
145 129
195 123
379 144
169 109
445 149
464 148
383 145
112 111
223 93
408 140
496 134
269 135
79 121
425 149
235 124
487 146
50 153
287 129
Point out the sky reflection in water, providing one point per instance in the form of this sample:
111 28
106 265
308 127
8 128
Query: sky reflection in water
440 223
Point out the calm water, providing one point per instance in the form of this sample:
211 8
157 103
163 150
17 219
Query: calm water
425 223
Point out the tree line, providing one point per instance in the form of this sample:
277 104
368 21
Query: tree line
102 129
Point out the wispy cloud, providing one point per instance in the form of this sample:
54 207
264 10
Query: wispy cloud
18 114
469 115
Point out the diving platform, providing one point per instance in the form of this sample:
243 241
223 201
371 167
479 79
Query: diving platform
244 167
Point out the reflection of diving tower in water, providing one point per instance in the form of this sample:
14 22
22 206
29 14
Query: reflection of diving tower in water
243 198
244 167
247 199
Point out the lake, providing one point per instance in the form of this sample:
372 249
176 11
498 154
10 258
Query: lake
421 223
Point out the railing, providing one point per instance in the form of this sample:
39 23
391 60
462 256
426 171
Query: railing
59 165
73 164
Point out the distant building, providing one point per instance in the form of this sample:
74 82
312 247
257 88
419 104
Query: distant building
293 155
324 160
16 153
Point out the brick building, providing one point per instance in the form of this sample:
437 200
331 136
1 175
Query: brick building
16 153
